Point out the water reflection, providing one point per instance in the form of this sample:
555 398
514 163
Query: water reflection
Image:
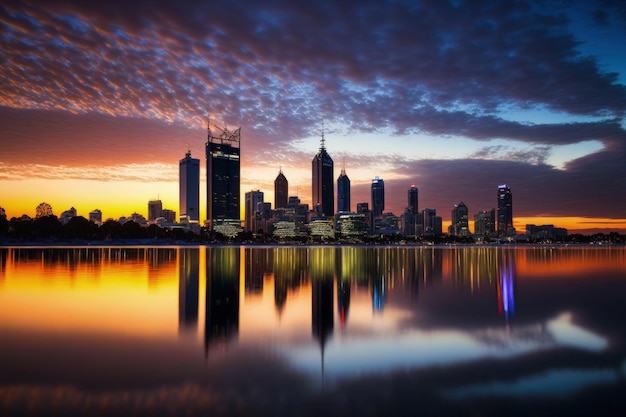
450 326
222 297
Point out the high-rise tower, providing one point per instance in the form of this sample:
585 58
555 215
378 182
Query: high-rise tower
223 174
281 191
189 188
505 211
323 198
343 191
378 196
412 197
460 220
253 198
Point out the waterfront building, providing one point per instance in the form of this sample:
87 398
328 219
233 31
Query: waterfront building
189 189
252 200
546 231
343 192
223 178
281 191
411 214
431 222
505 211
460 223
485 223
351 226
169 216
323 190
155 210
378 196
322 229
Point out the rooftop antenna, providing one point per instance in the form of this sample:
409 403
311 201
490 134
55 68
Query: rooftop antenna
323 140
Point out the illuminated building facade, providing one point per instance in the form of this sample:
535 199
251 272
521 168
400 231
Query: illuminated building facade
505 211
378 196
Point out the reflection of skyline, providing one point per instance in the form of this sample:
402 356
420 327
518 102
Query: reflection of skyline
188 292
506 288
222 295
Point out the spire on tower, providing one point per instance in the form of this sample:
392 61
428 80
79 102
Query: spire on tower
322 147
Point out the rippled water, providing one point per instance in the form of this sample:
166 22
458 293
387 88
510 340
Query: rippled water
313 331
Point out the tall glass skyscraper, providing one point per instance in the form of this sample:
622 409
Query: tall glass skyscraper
281 191
378 196
189 188
505 211
343 192
323 198
460 223
253 198
223 175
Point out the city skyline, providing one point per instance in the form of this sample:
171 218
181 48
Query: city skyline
98 106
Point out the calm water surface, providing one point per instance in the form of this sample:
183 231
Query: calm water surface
306 331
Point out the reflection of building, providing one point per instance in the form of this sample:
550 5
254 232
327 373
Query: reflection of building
343 192
189 188
323 198
343 301
322 285
189 271
378 293
222 295
378 196
281 191
223 171
255 268
506 289
505 211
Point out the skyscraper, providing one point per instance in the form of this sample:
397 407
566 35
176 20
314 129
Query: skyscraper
343 192
413 195
323 198
223 174
378 196
253 198
460 225
155 209
189 188
505 211
281 191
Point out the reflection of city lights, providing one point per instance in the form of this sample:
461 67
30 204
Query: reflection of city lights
506 301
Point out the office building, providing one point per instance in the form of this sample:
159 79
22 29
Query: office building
253 198
155 210
343 192
412 216
460 223
323 195
223 177
96 217
432 224
189 189
281 191
67 215
378 196
485 223
505 211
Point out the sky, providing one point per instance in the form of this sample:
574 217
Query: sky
100 100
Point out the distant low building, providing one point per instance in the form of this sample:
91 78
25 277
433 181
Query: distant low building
95 216
67 215
545 231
